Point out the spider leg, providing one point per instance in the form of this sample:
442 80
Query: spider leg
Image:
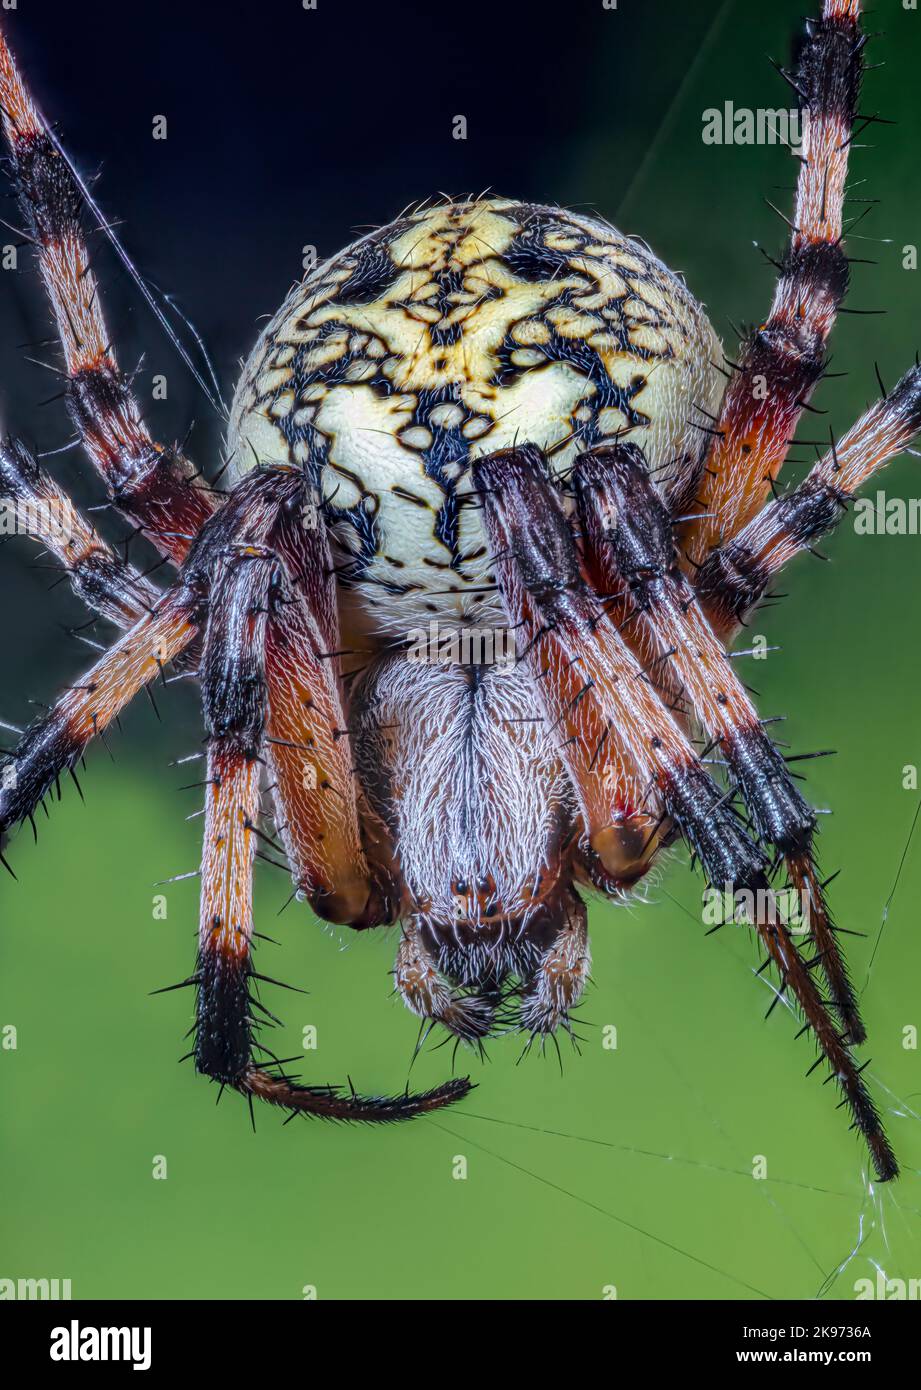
784 360
734 578
547 599
106 583
154 487
628 531
55 743
309 749
234 690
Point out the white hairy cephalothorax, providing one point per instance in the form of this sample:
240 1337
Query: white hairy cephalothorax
457 760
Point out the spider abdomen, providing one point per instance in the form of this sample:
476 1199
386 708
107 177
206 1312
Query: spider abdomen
455 331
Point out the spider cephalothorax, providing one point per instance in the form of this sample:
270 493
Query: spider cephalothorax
499 506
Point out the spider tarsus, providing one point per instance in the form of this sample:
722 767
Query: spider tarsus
331 1102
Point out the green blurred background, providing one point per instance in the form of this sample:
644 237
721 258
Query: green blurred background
632 1168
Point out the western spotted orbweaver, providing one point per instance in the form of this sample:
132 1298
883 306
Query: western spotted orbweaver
486 415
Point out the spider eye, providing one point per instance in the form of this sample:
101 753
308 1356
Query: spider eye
460 886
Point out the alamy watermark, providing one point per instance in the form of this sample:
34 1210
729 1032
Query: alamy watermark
887 516
77 1342
52 520
30 1290
740 125
465 646
883 1288
732 906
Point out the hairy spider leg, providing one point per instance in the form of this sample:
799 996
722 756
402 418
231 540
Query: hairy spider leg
544 593
628 531
233 698
55 743
234 688
733 578
40 509
309 750
785 358
153 486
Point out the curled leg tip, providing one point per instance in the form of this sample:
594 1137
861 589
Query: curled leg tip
340 1103
884 1160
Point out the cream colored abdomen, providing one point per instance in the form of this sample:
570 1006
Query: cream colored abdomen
455 331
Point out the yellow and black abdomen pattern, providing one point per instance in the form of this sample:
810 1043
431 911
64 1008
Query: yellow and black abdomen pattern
456 330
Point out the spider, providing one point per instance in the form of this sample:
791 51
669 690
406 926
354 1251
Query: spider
487 426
